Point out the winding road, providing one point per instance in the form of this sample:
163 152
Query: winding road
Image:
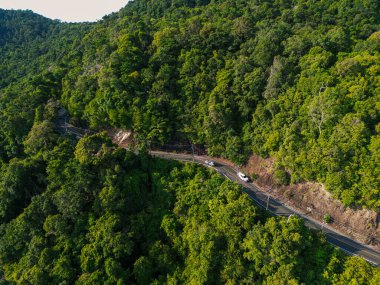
261 199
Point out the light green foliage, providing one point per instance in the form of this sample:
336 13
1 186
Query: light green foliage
40 137
135 219
281 177
327 218
295 80
269 78
93 149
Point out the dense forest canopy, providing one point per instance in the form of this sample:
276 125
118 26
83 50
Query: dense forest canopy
89 212
30 44
294 80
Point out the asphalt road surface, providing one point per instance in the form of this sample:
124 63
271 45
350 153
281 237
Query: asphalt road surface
263 200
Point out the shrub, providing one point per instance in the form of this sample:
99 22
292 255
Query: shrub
327 218
281 177
254 176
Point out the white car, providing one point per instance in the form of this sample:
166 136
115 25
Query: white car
242 176
209 163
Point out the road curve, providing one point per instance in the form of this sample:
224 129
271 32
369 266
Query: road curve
263 200
275 207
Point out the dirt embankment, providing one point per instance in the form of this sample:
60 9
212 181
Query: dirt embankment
309 198
312 199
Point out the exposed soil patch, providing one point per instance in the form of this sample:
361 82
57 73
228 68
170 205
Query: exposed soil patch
308 198
123 138
312 199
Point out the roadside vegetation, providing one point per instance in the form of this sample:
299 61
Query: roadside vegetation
294 80
92 213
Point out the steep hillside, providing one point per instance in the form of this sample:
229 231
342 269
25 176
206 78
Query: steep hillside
30 43
88 212
296 80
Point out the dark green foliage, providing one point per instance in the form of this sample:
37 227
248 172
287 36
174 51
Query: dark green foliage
31 44
287 80
123 218
295 80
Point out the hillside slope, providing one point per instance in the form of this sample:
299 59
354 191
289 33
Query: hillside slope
30 43
296 80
